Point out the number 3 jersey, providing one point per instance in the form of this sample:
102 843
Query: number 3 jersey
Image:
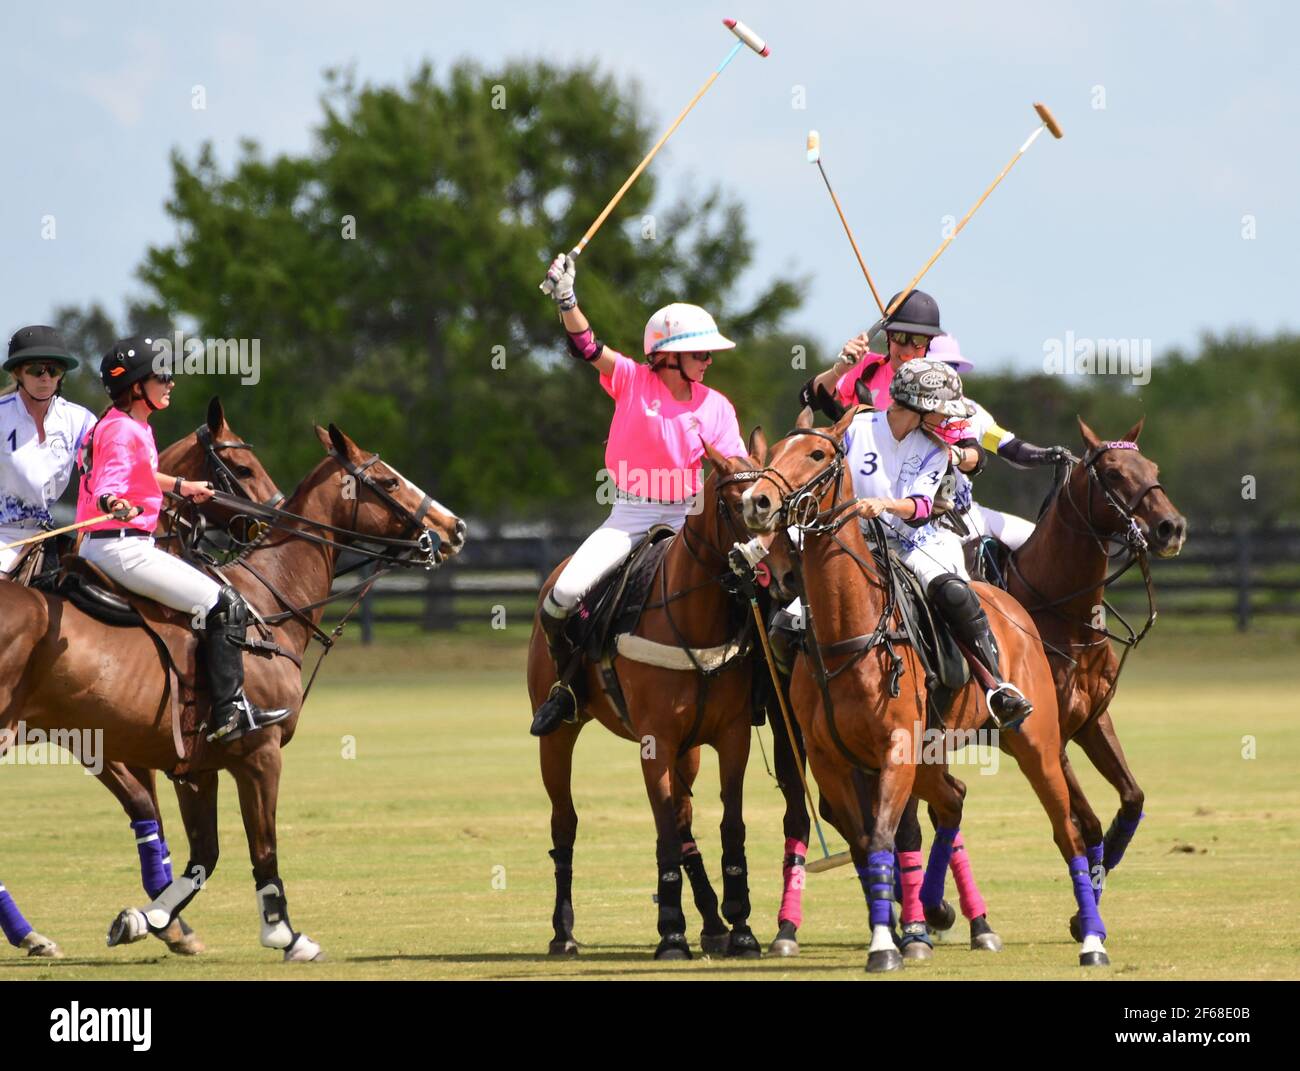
885 467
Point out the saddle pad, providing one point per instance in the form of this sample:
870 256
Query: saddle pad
614 605
944 663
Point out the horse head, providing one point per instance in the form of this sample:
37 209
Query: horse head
732 474
1116 490
381 502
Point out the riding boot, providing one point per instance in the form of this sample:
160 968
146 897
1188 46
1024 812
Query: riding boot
233 714
562 704
960 608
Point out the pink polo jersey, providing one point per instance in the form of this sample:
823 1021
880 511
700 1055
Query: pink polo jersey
878 372
123 460
655 449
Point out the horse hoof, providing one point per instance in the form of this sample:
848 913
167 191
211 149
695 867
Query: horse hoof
40 947
982 936
304 950
562 946
1094 959
743 945
129 926
1076 931
784 943
715 944
917 950
941 917
887 959
673 947
180 939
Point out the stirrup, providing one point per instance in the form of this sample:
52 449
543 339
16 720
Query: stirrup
244 719
1013 723
544 726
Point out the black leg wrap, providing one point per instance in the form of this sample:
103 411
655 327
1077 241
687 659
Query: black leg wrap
562 919
672 922
706 900
735 889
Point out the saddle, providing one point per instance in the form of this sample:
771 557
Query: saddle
946 671
614 605
187 694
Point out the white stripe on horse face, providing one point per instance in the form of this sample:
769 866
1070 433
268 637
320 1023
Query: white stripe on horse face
418 491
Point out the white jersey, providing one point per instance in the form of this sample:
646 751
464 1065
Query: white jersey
885 467
986 431
34 474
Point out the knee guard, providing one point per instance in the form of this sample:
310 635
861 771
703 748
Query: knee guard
953 598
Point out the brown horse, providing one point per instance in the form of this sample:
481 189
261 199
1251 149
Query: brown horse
1111 497
212 452
671 711
54 673
867 743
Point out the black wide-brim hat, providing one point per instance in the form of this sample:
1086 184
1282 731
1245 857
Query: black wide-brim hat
33 343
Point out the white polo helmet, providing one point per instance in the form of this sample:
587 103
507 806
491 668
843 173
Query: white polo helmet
682 328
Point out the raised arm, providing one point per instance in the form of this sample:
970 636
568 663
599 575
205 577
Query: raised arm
583 342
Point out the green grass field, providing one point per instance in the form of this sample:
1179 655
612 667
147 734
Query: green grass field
425 855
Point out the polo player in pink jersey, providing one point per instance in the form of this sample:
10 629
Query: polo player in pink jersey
663 416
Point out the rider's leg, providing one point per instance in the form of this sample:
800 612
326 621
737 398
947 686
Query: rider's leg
600 553
1006 528
218 614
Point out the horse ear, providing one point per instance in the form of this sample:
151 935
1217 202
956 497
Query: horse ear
341 442
1090 439
323 436
806 418
216 415
1135 431
758 444
715 456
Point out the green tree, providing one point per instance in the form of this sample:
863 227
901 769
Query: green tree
391 271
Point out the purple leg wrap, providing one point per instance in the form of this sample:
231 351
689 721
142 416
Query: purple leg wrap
1117 838
1089 917
877 879
1095 852
11 919
936 867
166 861
153 875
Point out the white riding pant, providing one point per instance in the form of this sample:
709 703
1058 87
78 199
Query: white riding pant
11 534
610 544
143 568
940 553
1006 528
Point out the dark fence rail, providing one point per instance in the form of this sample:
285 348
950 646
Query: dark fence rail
1229 571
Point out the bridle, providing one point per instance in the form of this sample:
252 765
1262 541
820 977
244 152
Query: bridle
1134 545
220 474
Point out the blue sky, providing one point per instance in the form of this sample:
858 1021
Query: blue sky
1130 227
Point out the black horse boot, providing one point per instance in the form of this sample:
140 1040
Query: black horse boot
562 704
233 715
959 606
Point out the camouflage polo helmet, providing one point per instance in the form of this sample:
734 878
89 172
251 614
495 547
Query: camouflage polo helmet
926 386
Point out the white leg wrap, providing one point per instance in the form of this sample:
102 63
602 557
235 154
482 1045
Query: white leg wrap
881 939
276 931
170 900
1092 943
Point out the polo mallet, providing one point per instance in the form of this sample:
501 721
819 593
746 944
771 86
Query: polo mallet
815 157
746 37
1048 123
827 861
41 537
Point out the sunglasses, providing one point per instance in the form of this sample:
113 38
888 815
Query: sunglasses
54 371
163 378
904 339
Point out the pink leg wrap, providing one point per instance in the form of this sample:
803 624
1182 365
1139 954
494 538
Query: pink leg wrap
972 903
792 879
910 873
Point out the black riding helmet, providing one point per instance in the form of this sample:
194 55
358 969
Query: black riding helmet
129 361
33 343
919 314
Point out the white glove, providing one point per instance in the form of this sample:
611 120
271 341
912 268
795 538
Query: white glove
853 349
559 282
753 552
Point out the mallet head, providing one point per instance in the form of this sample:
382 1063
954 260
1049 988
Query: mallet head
1053 127
814 146
748 36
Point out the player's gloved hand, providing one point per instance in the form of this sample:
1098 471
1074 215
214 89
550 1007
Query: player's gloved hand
820 399
559 282
1061 455
743 558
